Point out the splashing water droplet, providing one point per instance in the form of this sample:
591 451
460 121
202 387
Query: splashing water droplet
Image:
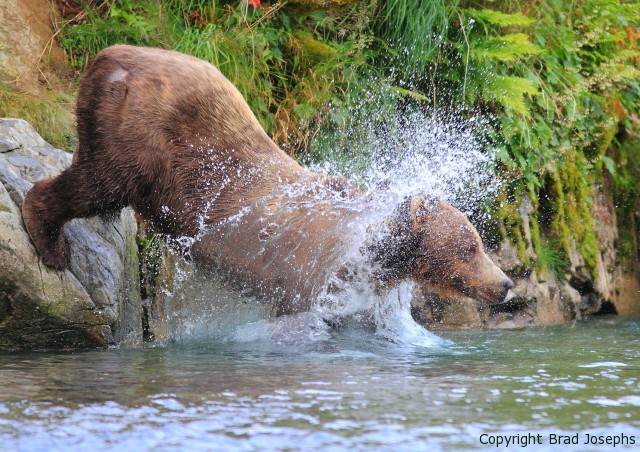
394 157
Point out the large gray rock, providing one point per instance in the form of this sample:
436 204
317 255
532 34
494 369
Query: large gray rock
618 280
96 301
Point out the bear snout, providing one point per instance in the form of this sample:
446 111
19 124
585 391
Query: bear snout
508 284
495 294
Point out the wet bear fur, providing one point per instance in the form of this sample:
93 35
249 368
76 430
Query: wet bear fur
170 136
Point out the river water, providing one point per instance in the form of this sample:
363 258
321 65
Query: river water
354 390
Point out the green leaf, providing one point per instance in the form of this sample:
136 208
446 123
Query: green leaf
276 52
509 91
409 93
609 164
502 155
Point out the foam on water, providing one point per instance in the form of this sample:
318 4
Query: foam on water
416 153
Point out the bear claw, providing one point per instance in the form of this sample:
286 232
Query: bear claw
53 252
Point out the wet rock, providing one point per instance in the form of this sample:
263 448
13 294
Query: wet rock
438 313
461 312
155 304
571 301
526 208
581 281
506 257
589 304
618 280
510 320
96 301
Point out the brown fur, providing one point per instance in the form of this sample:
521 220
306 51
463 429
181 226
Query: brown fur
170 136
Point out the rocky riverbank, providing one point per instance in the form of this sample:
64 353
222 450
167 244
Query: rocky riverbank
96 301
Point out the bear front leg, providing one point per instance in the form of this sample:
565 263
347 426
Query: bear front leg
42 219
82 190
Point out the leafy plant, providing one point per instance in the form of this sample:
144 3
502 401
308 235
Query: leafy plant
414 32
552 257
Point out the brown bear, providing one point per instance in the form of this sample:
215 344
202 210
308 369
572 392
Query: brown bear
170 136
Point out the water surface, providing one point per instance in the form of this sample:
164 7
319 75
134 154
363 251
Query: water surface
352 391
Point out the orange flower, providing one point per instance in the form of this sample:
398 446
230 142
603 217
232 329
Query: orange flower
254 3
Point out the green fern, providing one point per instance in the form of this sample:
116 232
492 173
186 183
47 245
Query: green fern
492 17
627 13
510 92
619 73
509 47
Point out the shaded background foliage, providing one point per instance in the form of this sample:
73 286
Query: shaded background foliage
559 82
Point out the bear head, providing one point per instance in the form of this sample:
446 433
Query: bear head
433 243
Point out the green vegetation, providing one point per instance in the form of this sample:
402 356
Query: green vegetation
560 82
50 113
558 79
288 66
551 256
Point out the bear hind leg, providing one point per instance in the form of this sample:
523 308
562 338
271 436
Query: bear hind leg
53 202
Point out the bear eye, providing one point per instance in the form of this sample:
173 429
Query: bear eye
469 250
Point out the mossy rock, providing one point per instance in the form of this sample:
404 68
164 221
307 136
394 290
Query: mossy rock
603 138
310 50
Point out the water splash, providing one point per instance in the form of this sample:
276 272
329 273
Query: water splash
412 153
201 309
418 151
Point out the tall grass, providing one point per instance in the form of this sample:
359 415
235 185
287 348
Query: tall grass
49 113
414 30
552 257
146 23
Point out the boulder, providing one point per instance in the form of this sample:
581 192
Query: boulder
27 49
96 301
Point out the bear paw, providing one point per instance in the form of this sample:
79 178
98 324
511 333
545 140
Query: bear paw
49 241
56 256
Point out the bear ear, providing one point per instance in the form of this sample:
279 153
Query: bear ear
417 208
420 210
